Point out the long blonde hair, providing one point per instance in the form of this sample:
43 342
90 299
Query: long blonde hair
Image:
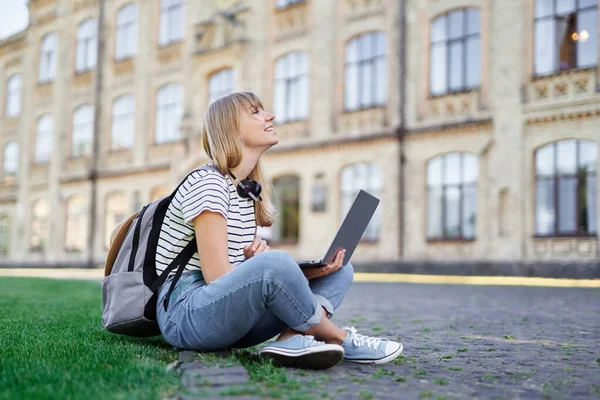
222 141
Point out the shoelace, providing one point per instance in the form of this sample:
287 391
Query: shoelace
310 340
362 340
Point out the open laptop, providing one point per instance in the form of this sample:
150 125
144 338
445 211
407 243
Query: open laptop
350 231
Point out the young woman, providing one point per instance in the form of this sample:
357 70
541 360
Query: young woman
235 291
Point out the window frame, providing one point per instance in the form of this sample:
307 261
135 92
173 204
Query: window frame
68 220
90 123
447 41
119 118
130 26
48 135
217 78
13 175
48 59
5 234
91 39
274 234
556 198
283 4
167 8
554 16
14 89
166 91
44 221
292 84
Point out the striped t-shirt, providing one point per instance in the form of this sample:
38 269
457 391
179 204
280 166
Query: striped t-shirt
206 189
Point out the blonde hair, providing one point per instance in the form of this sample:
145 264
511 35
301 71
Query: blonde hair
222 141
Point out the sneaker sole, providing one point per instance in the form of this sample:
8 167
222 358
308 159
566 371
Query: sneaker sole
306 359
383 360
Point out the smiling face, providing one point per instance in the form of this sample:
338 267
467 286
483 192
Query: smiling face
257 128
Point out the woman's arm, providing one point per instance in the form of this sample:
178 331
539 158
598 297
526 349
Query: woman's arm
211 236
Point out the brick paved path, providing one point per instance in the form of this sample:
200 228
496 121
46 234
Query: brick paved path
460 341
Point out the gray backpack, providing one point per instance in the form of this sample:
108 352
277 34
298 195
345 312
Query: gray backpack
130 284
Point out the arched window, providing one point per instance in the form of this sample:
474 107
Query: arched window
169 110
4 234
367 177
566 35
566 188
87 43
83 130
366 71
10 162
77 224
286 226
39 225
44 138
455 59
116 212
452 196
221 83
47 71
123 123
14 91
126 40
172 22
290 102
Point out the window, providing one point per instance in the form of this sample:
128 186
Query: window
44 138
47 71
126 40
87 43
365 176
287 3
287 202
566 189
4 235
221 84
116 212
14 88
366 71
11 162
83 128
172 22
291 87
455 57
169 110
39 225
566 35
452 196
77 224
123 123
158 192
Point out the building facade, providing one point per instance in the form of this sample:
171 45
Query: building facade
477 124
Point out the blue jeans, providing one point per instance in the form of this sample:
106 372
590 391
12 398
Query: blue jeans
248 305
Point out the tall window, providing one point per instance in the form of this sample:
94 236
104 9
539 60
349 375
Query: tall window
10 162
87 43
4 234
566 35
77 226
366 71
221 84
368 177
291 87
39 225
14 90
123 123
566 188
287 199
158 192
48 58
116 212
83 129
127 32
169 110
452 196
44 138
172 22
287 3
455 52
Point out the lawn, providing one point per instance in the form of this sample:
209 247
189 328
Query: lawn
52 345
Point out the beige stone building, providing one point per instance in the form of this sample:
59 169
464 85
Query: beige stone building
477 123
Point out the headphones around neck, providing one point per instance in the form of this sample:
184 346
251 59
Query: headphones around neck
248 189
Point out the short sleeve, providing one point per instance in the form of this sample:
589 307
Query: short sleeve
208 192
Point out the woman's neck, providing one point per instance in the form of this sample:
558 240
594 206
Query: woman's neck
246 166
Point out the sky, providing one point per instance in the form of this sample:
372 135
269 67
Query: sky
14 17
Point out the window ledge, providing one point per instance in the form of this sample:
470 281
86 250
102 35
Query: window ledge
364 109
563 72
567 236
450 240
452 93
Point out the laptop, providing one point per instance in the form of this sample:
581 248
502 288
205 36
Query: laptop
350 231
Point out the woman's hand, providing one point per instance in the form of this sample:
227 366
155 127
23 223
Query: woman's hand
258 246
317 272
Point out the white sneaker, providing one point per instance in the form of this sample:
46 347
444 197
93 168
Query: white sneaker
369 350
303 351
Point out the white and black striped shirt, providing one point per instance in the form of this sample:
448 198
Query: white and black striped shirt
205 190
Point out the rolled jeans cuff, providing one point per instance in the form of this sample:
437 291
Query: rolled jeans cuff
326 304
314 320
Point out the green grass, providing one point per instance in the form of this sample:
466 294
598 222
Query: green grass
441 382
462 350
54 347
